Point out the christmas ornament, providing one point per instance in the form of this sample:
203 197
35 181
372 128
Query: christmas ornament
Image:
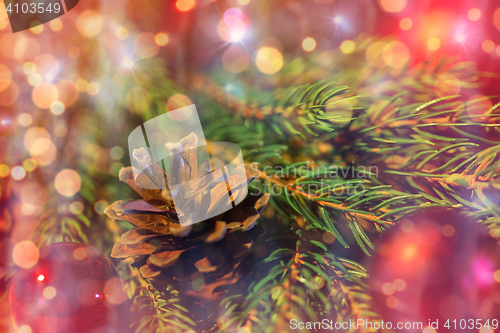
72 288
437 266
199 253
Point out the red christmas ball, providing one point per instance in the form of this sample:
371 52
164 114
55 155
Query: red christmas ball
438 268
72 288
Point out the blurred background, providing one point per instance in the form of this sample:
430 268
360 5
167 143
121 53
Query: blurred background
71 90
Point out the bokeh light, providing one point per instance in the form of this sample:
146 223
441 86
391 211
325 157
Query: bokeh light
447 84
4 170
30 164
145 45
309 44
100 206
76 207
185 5
396 54
178 101
74 52
406 23
9 95
474 14
89 23
25 254
138 100
488 46
496 18
347 46
269 60
93 88
374 52
49 292
235 59
433 43
44 95
116 153
161 39
233 17
56 25
68 182
18 172
57 108
244 2
5 77
448 230
68 94
121 33
392 6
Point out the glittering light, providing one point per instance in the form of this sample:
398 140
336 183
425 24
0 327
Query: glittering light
18 172
309 44
68 182
97 296
161 39
229 88
269 60
185 5
244 2
237 35
474 14
40 277
347 46
488 46
338 19
392 6
36 30
34 79
459 37
406 23
128 63
25 254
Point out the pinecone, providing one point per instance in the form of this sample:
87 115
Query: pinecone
167 252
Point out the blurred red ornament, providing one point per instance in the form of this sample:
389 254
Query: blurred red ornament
437 265
72 288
